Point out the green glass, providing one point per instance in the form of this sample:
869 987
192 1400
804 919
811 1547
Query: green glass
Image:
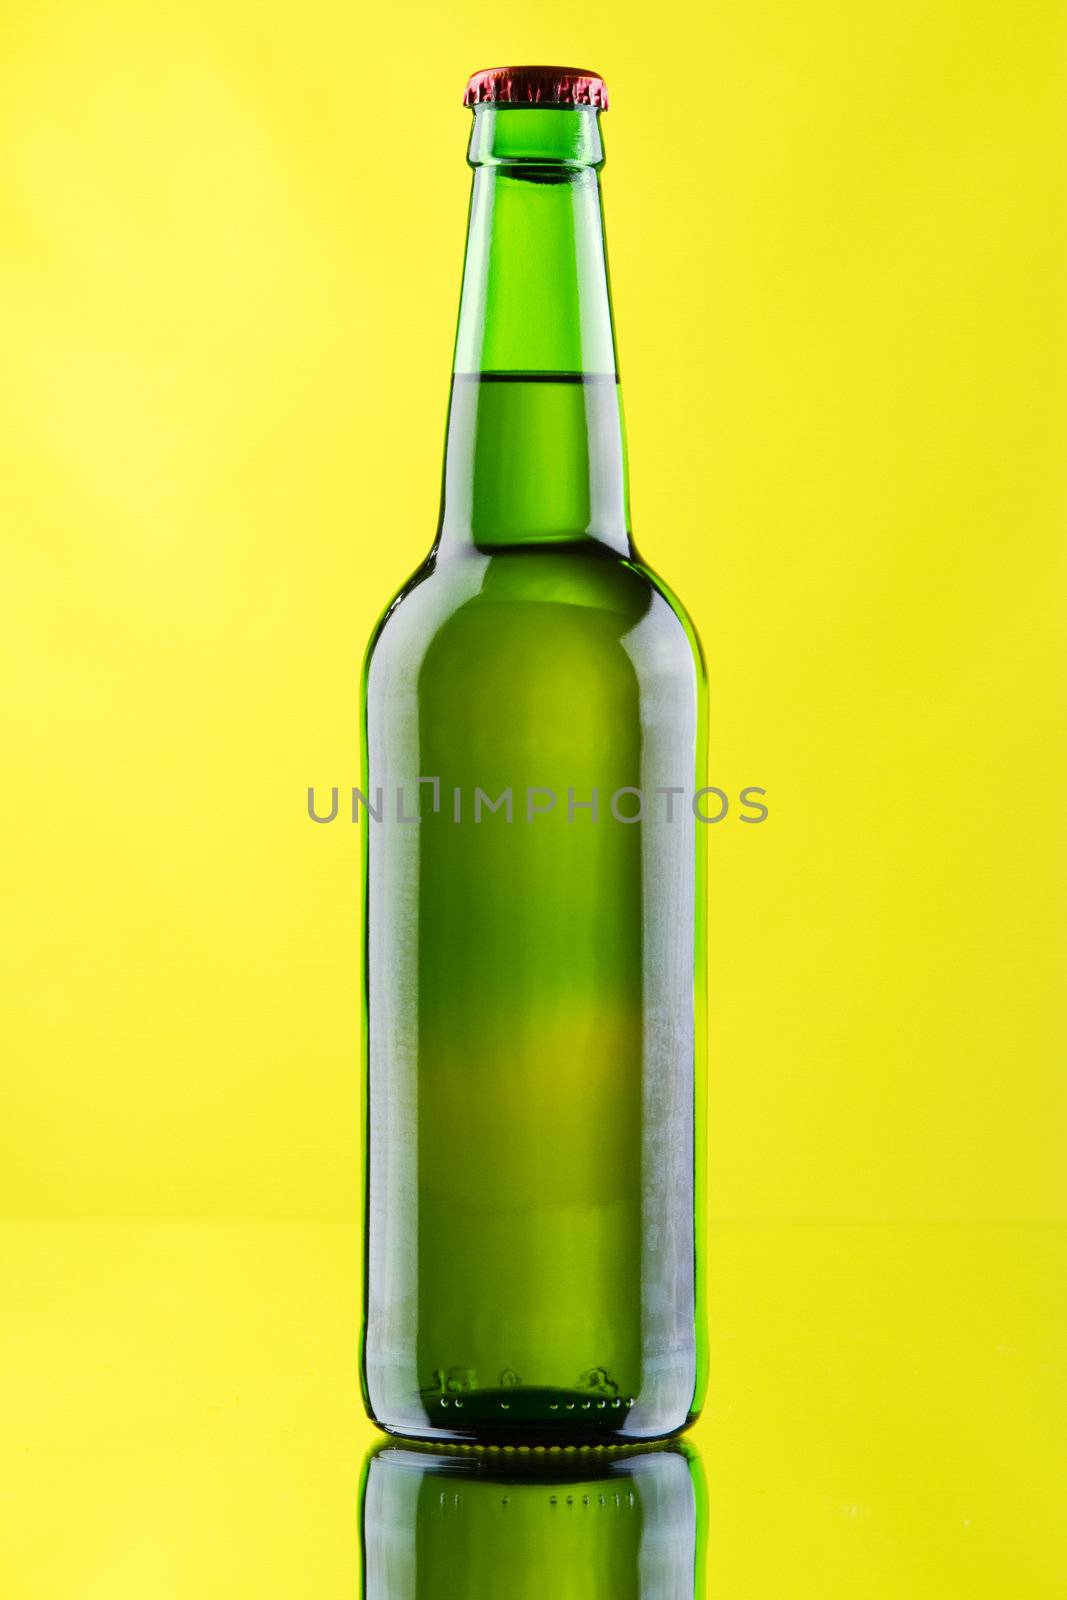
578 1525
534 972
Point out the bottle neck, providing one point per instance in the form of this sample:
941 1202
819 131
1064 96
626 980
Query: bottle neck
536 450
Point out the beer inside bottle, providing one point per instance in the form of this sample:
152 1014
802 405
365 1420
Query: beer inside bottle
533 741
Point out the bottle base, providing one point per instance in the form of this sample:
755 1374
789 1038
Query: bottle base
529 1417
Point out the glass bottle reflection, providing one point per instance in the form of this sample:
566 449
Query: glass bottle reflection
574 1525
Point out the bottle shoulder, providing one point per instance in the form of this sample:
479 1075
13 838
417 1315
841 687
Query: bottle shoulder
551 598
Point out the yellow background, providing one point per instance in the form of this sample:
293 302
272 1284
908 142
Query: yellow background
231 240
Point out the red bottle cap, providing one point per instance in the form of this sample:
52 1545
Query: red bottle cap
536 86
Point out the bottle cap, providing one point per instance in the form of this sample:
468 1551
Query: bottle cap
536 86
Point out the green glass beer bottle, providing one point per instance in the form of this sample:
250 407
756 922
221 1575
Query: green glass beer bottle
579 1525
533 755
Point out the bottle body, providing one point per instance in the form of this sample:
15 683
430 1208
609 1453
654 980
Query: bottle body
534 738
531 1019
